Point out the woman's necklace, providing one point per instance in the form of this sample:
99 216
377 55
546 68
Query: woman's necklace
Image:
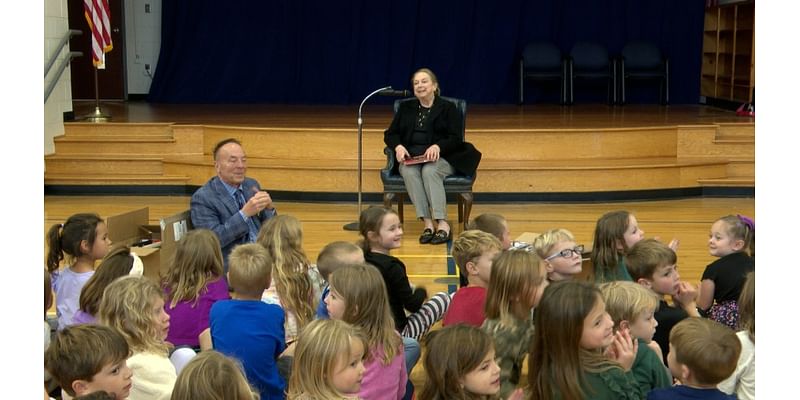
422 115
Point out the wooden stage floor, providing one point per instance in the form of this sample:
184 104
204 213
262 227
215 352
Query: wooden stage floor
378 115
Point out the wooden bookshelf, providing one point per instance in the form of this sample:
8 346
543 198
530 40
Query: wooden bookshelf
728 58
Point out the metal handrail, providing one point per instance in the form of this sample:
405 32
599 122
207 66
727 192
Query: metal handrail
67 36
61 67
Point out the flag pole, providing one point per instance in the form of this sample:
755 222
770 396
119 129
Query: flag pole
97 115
98 15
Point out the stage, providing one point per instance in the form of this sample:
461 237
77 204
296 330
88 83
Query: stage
532 152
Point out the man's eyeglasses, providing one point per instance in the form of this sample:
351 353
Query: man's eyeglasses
566 253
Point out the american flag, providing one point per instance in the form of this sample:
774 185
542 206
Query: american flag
98 16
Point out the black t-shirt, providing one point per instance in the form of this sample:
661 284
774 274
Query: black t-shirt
667 316
729 274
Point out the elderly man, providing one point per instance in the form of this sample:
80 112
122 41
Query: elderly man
230 204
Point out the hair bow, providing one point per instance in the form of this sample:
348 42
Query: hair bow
747 221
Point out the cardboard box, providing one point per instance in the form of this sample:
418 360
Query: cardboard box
132 228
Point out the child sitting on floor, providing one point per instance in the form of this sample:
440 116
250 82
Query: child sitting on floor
631 307
653 265
84 239
702 354
474 252
193 283
247 328
88 358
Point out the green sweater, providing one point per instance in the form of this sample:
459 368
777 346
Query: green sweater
649 370
618 274
611 384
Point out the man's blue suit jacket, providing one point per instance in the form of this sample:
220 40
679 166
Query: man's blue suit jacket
212 207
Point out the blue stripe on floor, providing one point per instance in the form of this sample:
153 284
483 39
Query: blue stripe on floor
451 267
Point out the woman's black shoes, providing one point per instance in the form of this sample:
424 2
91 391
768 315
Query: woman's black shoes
427 236
441 237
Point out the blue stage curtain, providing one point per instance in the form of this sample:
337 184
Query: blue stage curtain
338 51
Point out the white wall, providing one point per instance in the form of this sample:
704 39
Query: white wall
56 23
142 43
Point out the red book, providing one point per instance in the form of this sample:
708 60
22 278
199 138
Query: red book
415 160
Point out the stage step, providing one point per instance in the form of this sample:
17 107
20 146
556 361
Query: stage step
118 128
325 159
114 145
711 142
493 176
103 165
742 166
595 175
736 130
127 180
730 181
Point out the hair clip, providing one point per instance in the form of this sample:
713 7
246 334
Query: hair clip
747 221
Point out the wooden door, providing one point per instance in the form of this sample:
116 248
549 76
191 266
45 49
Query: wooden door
111 80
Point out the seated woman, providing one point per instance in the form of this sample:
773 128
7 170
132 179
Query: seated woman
430 127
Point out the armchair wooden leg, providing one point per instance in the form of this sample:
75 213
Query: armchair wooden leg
387 202
467 207
387 199
400 206
460 203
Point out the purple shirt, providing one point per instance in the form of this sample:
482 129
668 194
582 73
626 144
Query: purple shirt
188 319
67 286
82 317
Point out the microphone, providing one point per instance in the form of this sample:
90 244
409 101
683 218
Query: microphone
391 92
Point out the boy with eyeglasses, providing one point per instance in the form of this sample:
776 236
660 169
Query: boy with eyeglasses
562 258
474 252
653 265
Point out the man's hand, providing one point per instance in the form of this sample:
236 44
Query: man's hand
260 201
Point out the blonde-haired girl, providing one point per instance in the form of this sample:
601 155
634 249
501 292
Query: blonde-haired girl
192 285
135 307
213 375
518 280
328 361
562 258
296 284
358 297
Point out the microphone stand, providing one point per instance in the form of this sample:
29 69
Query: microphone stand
353 226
